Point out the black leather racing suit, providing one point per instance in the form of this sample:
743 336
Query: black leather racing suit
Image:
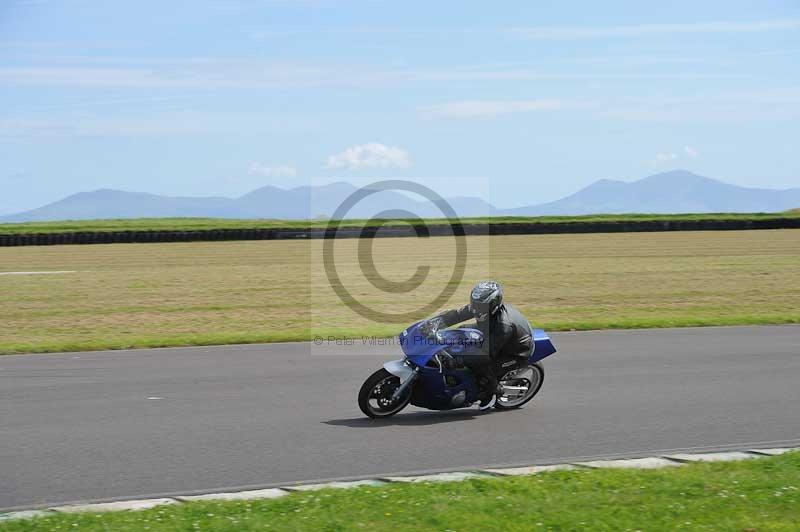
506 334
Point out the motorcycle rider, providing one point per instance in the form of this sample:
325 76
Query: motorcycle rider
505 330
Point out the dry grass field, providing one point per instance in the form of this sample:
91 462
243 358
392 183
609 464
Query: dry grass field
140 295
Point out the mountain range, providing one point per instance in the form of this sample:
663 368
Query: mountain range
677 191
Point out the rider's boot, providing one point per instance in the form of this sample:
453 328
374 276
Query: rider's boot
489 394
487 402
487 387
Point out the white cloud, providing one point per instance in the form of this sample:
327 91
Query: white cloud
35 128
94 127
490 108
664 157
232 74
646 30
192 73
144 124
370 155
271 171
556 32
19 175
669 156
691 152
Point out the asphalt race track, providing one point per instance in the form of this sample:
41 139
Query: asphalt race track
128 424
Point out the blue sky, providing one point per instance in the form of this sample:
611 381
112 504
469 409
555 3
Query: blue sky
523 102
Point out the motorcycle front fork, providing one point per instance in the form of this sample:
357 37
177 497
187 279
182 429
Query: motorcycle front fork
398 393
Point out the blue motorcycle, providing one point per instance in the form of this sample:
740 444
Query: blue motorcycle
432 376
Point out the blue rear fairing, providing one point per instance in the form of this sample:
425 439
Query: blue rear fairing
542 346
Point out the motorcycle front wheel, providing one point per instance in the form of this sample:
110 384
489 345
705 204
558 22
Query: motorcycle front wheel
521 384
375 396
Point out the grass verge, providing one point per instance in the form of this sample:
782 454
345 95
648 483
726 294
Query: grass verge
195 224
363 335
206 293
760 494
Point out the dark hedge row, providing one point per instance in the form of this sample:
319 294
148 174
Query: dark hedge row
113 237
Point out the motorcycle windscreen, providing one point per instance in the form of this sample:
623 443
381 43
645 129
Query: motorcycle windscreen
542 346
416 346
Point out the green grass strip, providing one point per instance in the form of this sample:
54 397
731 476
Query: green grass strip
366 334
760 494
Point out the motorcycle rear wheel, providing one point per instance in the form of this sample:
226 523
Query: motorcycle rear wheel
532 380
374 398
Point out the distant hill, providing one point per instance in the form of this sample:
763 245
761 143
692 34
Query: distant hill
678 191
298 203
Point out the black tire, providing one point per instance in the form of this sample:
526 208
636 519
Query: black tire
538 386
366 393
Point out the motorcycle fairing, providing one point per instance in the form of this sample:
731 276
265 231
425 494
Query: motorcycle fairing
399 368
542 346
432 392
420 349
